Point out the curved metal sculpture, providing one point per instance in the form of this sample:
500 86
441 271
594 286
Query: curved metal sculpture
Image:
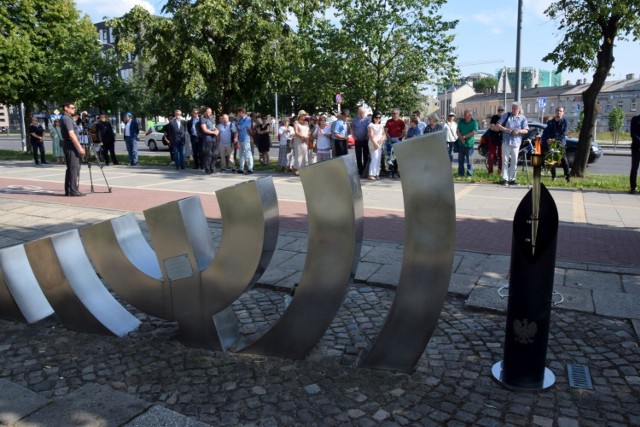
336 218
202 287
72 287
20 295
430 219
127 264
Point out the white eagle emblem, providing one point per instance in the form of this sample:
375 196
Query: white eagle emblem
524 331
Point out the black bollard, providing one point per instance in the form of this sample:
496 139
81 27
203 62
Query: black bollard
533 256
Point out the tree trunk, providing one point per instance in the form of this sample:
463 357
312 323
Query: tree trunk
589 98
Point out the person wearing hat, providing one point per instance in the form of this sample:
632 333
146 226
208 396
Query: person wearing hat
451 133
131 130
301 136
340 132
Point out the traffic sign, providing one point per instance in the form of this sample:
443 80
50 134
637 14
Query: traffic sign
542 103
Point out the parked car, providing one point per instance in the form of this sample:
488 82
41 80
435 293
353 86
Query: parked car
153 138
536 129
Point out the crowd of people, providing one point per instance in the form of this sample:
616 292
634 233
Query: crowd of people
223 144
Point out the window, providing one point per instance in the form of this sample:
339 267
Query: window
634 105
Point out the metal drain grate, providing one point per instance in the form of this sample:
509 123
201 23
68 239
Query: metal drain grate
579 376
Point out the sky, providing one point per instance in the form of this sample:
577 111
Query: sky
485 35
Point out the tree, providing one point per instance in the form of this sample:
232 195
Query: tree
591 29
212 52
386 51
485 84
616 120
48 53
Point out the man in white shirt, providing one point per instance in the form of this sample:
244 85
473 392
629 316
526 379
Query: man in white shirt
226 129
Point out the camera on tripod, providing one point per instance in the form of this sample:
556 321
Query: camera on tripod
91 151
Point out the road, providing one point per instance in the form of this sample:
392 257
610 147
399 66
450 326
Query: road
616 163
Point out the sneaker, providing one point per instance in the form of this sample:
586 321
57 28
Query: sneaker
632 191
504 183
233 170
240 171
249 172
567 178
513 183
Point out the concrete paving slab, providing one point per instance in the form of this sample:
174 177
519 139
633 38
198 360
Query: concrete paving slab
387 275
631 284
384 255
366 270
578 299
483 297
275 275
92 405
161 416
16 402
636 326
594 280
462 284
616 304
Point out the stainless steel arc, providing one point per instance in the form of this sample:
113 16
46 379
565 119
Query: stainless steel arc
127 264
335 213
69 282
20 295
430 218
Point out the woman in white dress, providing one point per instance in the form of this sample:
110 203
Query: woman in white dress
300 142
376 139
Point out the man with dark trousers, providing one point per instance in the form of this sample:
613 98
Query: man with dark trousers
73 151
107 140
37 141
177 136
193 127
556 130
635 152
360 131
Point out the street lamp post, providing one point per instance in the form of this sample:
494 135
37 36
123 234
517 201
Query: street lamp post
118 109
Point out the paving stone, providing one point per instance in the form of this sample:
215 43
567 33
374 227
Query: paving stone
631 284
462 284
384 255
160 416
365 270
616 304
386 275
575 299
16 402
483 297
90 405
594 280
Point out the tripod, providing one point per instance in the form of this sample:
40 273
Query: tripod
88 154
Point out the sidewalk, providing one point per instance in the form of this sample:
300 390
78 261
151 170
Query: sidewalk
452 385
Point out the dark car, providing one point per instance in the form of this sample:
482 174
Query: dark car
536 129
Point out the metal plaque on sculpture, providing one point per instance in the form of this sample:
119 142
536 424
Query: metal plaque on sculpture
178 267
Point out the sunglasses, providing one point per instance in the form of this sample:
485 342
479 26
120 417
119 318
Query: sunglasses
500 109
377 117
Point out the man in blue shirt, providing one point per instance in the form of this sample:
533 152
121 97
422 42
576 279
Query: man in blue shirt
131 130
243 139
340 134
360 131
512 125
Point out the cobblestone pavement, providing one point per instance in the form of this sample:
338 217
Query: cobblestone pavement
451 386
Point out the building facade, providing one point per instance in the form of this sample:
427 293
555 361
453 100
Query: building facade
619 93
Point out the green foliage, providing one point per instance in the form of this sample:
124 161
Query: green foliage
485 84
48 53
616 119
228 53
590 30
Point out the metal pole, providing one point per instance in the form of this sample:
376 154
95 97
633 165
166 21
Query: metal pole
518 77
277 116
23 131
504 85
